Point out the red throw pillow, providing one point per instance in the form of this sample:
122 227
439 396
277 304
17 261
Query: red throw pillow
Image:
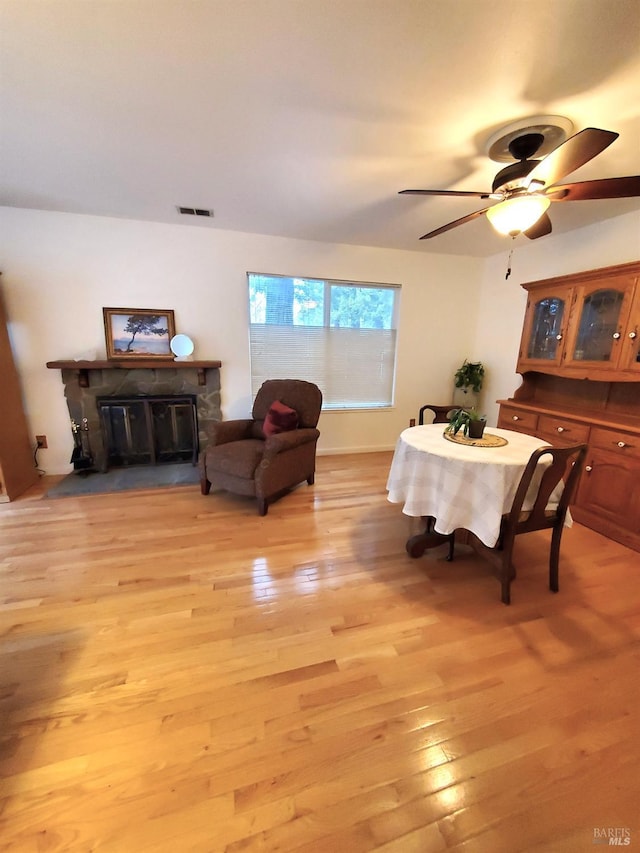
280 418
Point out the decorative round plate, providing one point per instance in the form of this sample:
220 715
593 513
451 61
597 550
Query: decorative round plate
487 440
181 346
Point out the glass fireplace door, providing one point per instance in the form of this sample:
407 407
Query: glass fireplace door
149 431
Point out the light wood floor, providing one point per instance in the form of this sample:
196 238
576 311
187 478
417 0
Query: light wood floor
179 674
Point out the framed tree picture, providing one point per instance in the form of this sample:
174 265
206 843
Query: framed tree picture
138 333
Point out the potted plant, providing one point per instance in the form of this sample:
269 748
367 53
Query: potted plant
469 421
470 375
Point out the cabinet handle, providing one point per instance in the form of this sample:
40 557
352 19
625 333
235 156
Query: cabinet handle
515 418
558 337
560 429
633 335
616 335
621 443
588 468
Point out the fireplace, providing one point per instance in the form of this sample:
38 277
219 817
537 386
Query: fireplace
149 430
147 413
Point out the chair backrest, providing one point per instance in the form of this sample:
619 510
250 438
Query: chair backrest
565 462
304 397
441 413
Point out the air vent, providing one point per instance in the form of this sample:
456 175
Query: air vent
195 211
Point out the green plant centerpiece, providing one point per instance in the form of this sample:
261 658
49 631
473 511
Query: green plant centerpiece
470 375
469 421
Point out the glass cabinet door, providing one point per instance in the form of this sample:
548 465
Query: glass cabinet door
601 320
630 357
543 333
598 324
546 328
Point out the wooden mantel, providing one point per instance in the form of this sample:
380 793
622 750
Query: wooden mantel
83 367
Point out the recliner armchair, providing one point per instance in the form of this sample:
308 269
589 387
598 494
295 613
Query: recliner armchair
242 459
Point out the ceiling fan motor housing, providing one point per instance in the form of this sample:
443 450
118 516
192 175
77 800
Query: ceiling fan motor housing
511 176
521 148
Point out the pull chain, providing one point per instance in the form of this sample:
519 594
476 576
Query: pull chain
509 262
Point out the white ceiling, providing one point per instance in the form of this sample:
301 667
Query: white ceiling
303 118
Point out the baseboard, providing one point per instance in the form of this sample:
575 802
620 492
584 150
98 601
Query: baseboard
344 451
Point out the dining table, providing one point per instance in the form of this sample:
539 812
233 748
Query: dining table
454 483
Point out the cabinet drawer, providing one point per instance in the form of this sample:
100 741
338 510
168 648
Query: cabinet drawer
511 418
616 440
569 432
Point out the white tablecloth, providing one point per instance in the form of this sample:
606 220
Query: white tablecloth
460 486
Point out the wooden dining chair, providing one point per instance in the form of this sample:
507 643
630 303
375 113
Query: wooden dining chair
441 413
567 463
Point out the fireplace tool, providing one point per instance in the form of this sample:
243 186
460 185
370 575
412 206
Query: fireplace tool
82 458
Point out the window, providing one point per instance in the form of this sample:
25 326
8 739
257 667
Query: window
340 335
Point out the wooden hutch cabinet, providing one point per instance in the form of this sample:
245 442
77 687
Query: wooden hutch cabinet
580 364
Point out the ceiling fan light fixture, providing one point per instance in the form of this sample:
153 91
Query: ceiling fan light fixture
515 215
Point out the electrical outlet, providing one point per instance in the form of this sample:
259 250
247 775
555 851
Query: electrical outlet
41 441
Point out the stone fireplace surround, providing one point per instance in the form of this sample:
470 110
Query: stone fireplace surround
84 381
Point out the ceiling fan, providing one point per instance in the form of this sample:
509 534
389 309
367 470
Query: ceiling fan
525 188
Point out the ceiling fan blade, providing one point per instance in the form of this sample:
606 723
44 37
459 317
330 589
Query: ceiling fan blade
539 228
454 224
628 187
449 192
572 154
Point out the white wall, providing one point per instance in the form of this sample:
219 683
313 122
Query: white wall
502 303
60 270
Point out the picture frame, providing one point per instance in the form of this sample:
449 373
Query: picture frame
138 333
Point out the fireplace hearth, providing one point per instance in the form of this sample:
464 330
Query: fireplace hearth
142 414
